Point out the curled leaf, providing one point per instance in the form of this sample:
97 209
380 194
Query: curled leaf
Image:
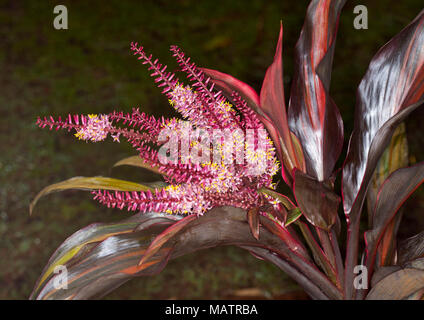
312 114
293 216
228 84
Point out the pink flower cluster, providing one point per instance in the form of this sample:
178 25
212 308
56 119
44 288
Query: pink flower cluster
192 187
96 128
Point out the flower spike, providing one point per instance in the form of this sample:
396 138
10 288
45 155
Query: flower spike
245 163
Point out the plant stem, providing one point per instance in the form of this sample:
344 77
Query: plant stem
351 257
310 288
313 273
326 245
332 251
338 256
318 254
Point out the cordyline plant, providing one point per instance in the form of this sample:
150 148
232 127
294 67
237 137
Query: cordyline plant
208 204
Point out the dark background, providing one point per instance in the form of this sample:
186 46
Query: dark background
90 69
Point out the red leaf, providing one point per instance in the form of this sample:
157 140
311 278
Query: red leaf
399 285
391 89
274 106
393 84
270 108
161 239
313 116
393 193
317 201
253 219
229 84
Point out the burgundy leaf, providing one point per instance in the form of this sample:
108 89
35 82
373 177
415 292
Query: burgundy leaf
317 201
274 106
313 116
394 157
285 235
382 273
303 278
228 84
161 239
393 193
398 285
271 109
393 83
253 219
380 142
319 255
411 248
391 89
101 257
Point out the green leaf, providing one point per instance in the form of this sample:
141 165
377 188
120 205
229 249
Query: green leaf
293 216
393 158
89 183
137 161
282 198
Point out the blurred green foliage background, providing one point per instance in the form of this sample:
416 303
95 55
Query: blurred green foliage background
89 69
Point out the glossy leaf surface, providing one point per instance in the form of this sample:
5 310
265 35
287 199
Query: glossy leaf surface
167 234
392 87
101 257
393 193
317 201
393 158
313 116
274 106
228 84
